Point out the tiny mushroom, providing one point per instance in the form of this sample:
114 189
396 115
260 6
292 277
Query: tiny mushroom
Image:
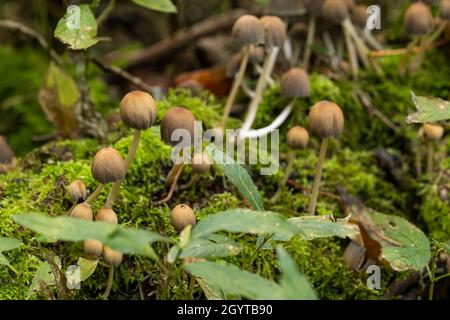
76 191
431 133
82 211
247 31
181 216
325 120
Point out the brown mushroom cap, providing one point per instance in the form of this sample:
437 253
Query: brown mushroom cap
336 10
112 257
297 138
201 163
6 154
93 248
295 83
76 191
82 211
444 10
432 131
248 30
181 216
418 19
106 215
359 15
326 119
108 166
315 7
275 33
177 118
138 110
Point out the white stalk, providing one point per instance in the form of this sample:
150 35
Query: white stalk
260 70
309 42
278 122
351 53
368 36
269 64
330 46
249 92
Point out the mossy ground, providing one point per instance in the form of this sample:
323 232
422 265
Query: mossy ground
38 185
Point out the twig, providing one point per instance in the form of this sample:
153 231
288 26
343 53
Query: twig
138 82
179 39
17 26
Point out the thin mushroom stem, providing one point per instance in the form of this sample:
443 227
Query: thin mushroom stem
176 175
332 50
95 194
430 158
371 40
131 154
269 64
287 174
236 85
435 35
418 161
193 180
274 125
351 54
309 42
249 92
418 58
318 176
259 70
109 283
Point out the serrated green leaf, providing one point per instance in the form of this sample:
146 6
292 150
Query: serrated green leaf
294 284
42 276
413 251
131 241
78 28
238 176
429 110
244 220
87 268
158 5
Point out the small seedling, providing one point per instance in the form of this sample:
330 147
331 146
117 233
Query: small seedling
325 120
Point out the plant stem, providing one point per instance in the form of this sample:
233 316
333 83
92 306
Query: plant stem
131 154
287 174
318 176
269 64
236 85
109 283
409 50
13 269
191 287
430 156
255 253
418 161
309 42
433 37
418 58
106 12
95 194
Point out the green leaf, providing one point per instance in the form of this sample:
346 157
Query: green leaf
294 284
313 227
216 246
446 247
132 241
78 28
173 254
211 293
43 277
158 5
413 250
87 268
231 279
246 221
7 244
429 110
237 175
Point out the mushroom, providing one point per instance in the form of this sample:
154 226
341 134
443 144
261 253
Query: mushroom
294 84
137 111
274 38
177 121
297 138
76 191
181 216
94 248
82 211
315 10
444 15
247 31
418 23
325 120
